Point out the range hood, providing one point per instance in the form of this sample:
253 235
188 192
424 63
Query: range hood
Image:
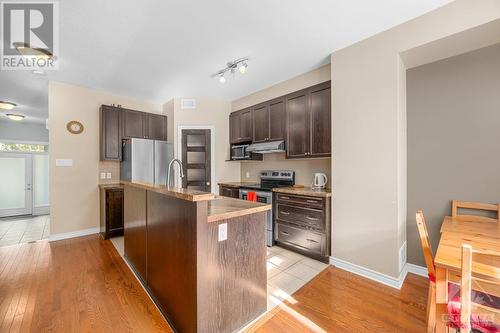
267 147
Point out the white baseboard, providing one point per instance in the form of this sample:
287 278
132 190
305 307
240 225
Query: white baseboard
415 269
371 274
72 234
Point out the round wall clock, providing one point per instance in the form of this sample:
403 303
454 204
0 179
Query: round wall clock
74 127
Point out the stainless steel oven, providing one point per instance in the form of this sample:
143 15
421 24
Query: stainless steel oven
267 198
239 152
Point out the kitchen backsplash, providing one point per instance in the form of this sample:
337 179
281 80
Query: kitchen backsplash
304 168
109 168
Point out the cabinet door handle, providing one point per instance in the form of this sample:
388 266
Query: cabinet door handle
311 240
312 201
285 198
284 233
284 213
312 218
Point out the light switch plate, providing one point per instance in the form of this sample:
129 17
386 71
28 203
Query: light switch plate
103 175
248 174
222 232
108 175
64 162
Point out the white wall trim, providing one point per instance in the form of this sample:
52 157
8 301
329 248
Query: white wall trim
371 274
212 149
73 234
416 269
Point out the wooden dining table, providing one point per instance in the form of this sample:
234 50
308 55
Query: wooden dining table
455 231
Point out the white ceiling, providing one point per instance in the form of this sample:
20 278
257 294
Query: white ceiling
157 49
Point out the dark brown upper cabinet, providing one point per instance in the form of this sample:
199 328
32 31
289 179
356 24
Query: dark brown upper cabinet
308 114
260 119
118 124
297 125
277 119
321 123
111 135
134 125
269 121
240 126
156 126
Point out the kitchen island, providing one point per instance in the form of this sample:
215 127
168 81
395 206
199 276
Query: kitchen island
201 257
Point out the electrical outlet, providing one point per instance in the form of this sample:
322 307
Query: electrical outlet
222 232
108 175
103 175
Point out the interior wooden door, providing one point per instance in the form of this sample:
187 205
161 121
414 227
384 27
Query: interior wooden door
196 160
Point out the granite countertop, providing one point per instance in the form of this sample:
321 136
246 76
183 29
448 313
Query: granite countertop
180 193
322 193
237 184
223 208
113 185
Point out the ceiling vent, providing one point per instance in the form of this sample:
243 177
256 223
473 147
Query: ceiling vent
188 103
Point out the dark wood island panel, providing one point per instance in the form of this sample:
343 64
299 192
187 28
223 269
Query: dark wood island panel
232 274
199 283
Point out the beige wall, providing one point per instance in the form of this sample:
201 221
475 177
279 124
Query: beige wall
453 136
208 112
369 134
74 190
303 168
302 81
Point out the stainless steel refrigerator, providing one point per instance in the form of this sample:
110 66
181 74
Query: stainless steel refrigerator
146 161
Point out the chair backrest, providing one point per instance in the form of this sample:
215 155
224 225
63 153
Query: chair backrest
426 245
456 205
469 282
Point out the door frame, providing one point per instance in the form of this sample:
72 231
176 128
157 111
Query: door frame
28 193
178 152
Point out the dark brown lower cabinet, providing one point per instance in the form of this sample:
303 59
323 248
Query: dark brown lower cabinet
111 207
227 191
302 224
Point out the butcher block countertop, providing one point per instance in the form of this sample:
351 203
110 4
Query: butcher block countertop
179 193
223 208
114 185
236 184
323 193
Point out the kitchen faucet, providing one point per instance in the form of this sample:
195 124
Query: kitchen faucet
170 169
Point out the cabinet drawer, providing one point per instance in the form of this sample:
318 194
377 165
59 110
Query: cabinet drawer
303 239
303 200
308 217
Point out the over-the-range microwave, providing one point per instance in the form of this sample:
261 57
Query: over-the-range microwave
239 152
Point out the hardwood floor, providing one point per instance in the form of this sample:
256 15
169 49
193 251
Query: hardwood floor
83 285
76 285
339 301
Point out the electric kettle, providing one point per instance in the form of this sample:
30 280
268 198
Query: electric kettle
320 180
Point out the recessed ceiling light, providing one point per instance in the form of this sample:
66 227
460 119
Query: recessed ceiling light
15 117
7 105
26 50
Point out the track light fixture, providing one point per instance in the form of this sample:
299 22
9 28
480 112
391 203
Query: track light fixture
240 64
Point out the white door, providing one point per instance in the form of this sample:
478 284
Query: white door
15 184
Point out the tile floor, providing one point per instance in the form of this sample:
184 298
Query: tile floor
23 229
286 272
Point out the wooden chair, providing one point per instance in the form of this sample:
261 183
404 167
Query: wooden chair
431 270
456 205
476 303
